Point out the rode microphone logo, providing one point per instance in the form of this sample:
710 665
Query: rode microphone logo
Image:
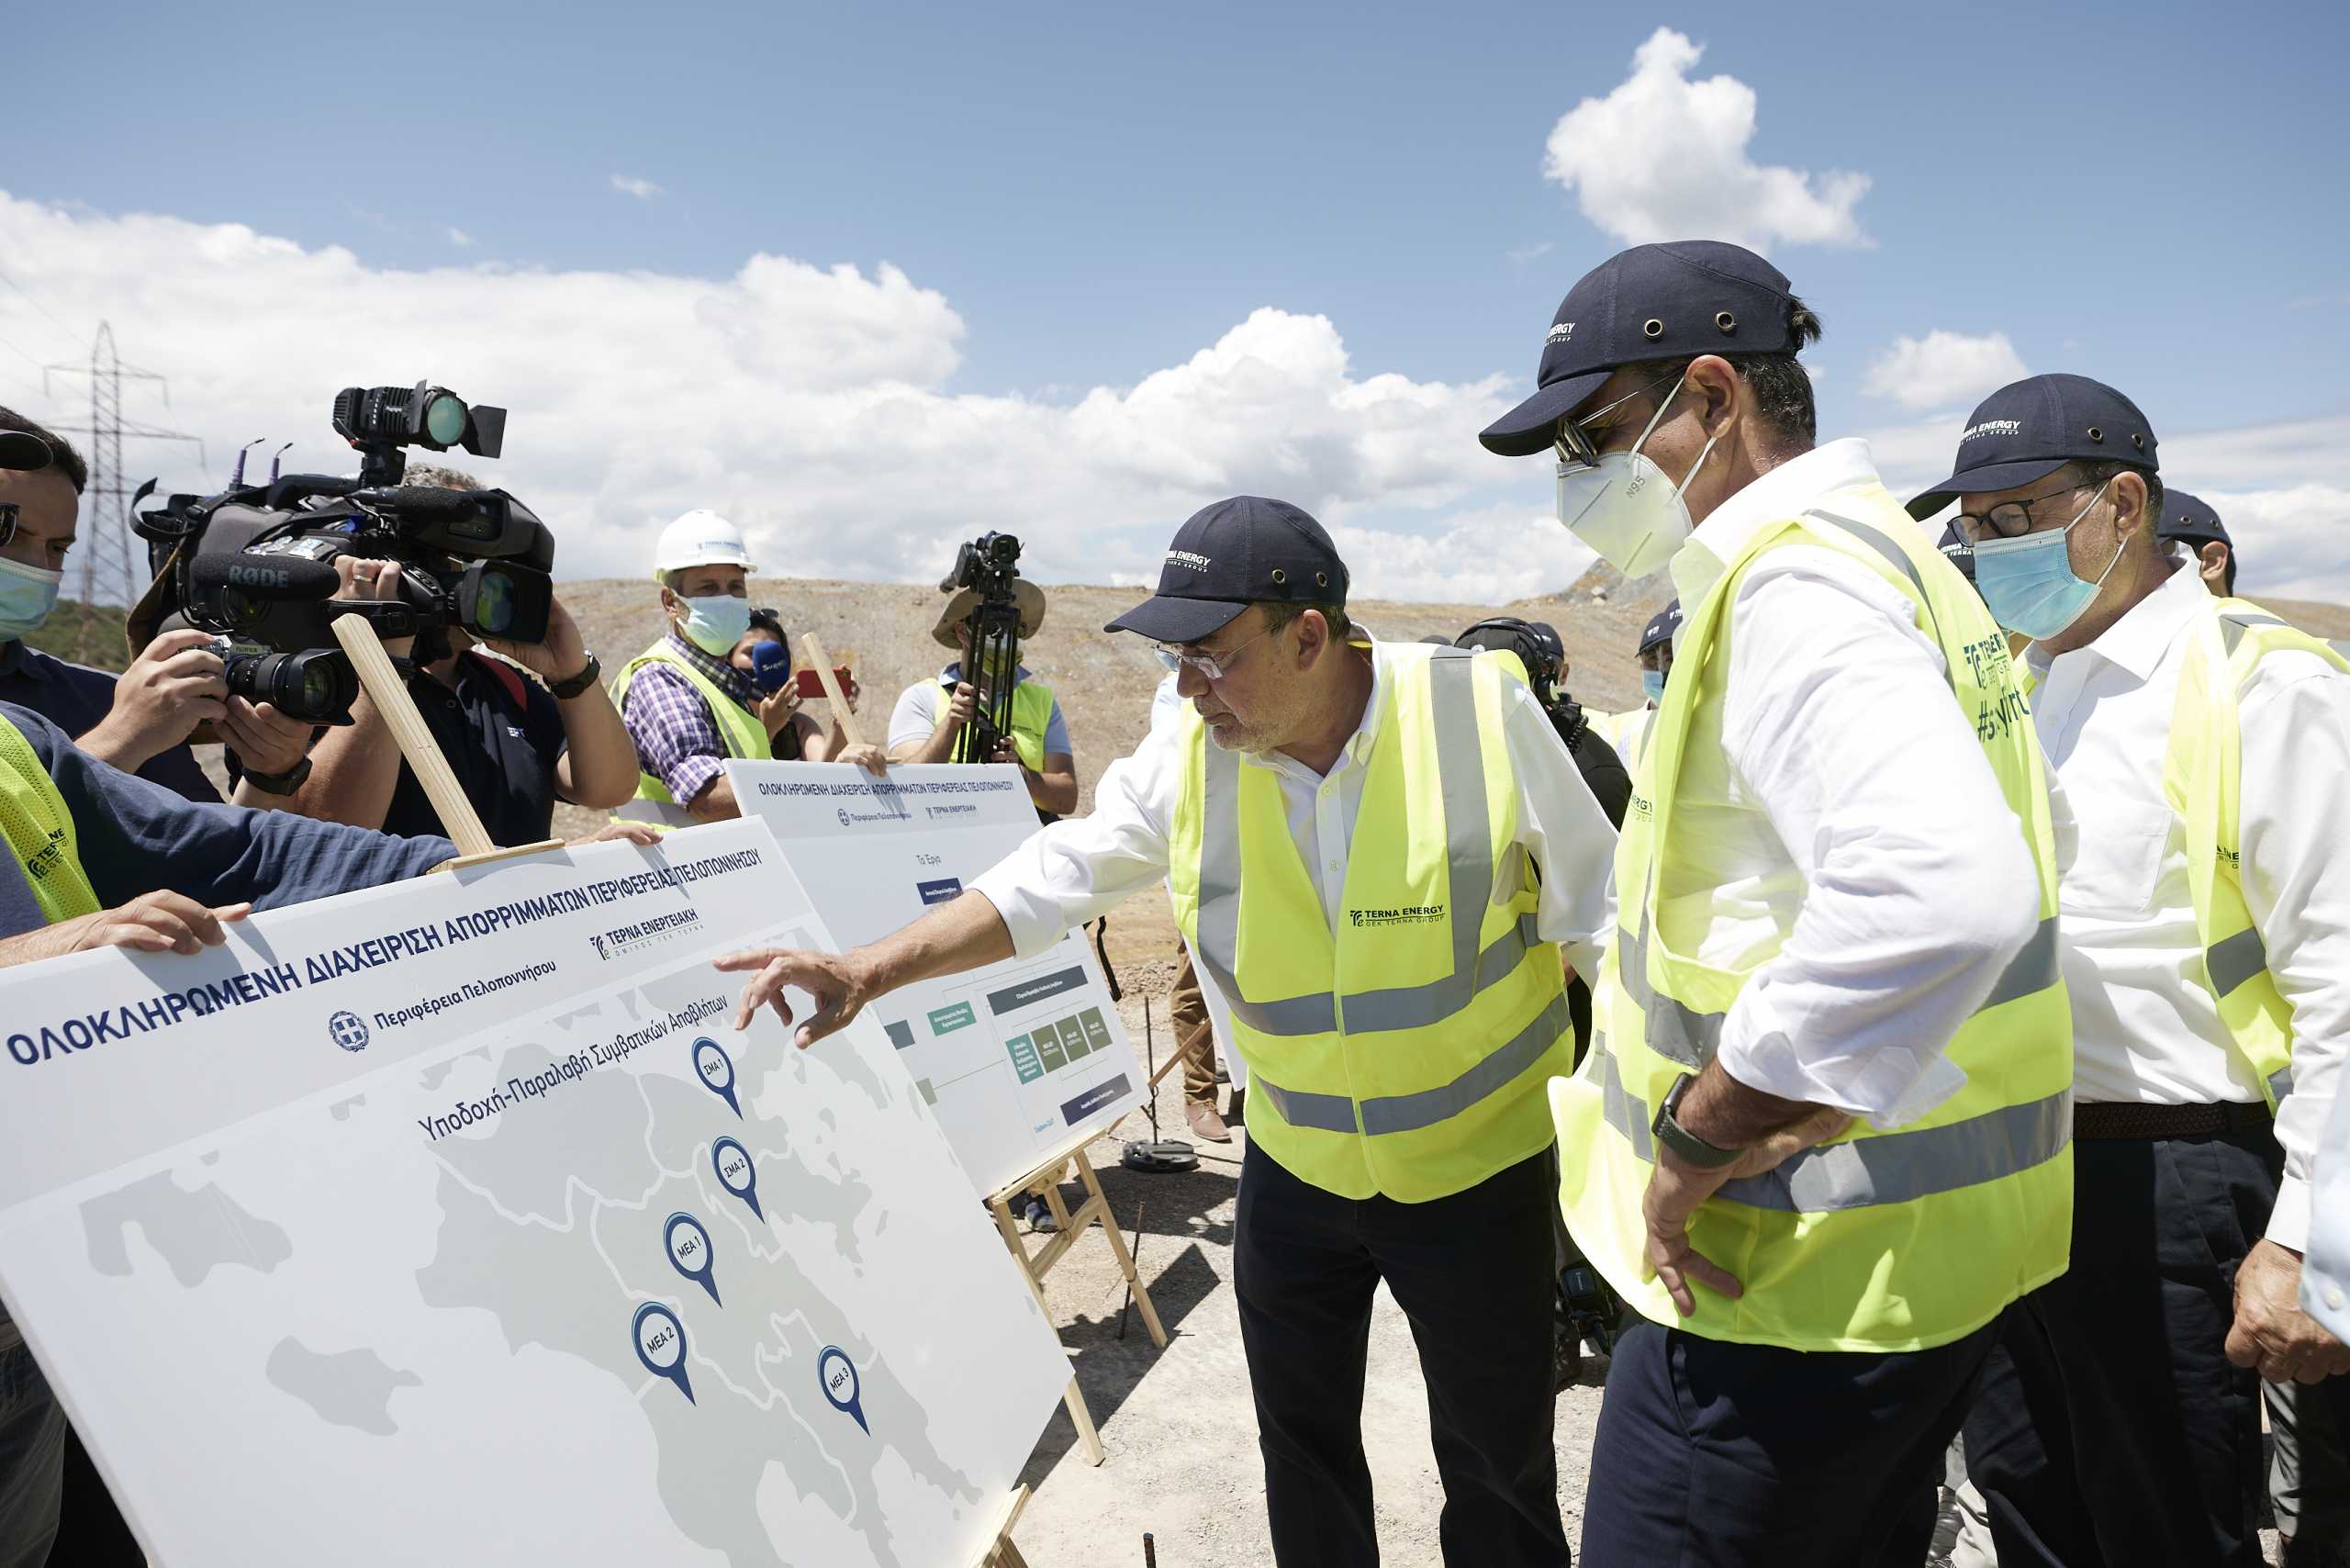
242 576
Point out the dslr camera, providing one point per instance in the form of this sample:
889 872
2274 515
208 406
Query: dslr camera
988 566
985 565
255 563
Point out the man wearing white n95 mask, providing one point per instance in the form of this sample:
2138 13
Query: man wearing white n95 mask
1819 1145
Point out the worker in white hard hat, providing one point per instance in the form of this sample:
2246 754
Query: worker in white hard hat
689 708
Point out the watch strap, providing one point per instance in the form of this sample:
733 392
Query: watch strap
1667 1130
588 677
284 783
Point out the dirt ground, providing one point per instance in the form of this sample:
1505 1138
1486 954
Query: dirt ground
1176 1425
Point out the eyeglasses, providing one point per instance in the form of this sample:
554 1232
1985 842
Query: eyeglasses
2010 520
1215 666
8 522
1578 440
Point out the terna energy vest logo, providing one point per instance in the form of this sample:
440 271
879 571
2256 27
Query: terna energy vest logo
348 1030
1405 914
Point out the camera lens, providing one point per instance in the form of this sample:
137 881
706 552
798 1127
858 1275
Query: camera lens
317 685
494 606
444 418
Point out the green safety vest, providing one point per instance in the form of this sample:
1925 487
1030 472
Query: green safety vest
2201 771
738 728
40 831
1874 1241
1031 715
1405 1055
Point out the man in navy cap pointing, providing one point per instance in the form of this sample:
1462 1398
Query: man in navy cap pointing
1375 850
2201 744
1818 1144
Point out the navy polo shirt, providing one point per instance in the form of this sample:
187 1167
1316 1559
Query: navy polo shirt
503 748
75 697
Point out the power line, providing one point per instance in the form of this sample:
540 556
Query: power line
112 562
36 305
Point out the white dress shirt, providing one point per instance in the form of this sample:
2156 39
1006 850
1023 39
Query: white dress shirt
2144 1030
1077 869
1836 806
2325 1272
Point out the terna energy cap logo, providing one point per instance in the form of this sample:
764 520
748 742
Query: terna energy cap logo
348 1030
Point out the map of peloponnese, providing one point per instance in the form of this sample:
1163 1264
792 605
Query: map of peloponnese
623 1236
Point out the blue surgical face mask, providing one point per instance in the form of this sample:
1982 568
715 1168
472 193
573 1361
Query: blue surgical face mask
716 622
1652 682
2029 582
26 596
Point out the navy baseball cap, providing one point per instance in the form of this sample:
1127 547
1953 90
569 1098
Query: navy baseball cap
2029 430
1649 303
1662 627
23 451
2190 518
1227 556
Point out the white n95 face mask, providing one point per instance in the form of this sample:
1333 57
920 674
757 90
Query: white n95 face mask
1624 507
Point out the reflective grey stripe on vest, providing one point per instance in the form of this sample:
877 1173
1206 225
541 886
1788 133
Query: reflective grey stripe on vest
1461 779
2233 626
1883 544
1889 1168
2235 959
1678 1033
2280 1083
1410 1112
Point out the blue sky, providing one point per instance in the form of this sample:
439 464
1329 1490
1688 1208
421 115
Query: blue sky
1100 194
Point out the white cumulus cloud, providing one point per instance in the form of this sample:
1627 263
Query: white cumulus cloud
629 184
1944 370
814 405
1662 157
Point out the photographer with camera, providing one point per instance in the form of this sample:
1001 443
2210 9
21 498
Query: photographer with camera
1542 658
140 720
689 708
516 746
986 707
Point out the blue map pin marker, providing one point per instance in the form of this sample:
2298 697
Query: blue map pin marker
716 1069
661 1346
689 1246
735 1172
838 1374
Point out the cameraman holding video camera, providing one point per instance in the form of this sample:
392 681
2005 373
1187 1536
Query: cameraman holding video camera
986 707
140 720
516 745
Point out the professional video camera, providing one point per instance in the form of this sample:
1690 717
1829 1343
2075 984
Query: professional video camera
256 562
989 565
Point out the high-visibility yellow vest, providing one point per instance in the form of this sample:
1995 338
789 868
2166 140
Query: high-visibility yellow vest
39 830
1622 731
738 729
1405 1054
1031 715
1875 1241
2201 770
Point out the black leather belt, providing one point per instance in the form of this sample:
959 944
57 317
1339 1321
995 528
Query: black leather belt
2114 1119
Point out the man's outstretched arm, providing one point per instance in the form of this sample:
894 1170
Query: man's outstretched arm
962 934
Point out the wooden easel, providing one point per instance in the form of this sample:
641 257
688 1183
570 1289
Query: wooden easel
389 693
1073 1224
1001 1553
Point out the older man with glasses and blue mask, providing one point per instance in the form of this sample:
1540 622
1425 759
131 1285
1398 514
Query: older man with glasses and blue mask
1818 1145
2203 745
1375 850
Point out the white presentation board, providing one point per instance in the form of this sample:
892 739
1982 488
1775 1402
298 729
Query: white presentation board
1015 1058
452 1222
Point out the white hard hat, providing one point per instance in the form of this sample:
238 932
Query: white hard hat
700 538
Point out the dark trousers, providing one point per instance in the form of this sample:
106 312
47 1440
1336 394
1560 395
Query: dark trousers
1473 1273
1714 1453
2111 1429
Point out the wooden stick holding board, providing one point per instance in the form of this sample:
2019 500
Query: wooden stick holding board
390 694
841 715
1071 1224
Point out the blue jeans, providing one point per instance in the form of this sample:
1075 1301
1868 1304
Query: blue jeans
32 1453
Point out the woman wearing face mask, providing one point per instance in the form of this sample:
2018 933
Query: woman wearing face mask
686 705
791 734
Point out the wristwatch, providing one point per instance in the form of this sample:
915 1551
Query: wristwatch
284 783
589 672
1679 1139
